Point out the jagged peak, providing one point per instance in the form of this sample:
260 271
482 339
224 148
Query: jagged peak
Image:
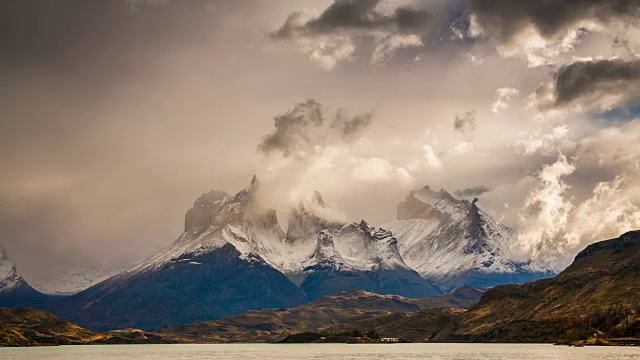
364 225
8 273
325 238
325 253
245 195
372 232
325 247
254 182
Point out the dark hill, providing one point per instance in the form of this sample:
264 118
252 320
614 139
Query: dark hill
598 294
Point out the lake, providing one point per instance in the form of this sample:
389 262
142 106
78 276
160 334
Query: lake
323 351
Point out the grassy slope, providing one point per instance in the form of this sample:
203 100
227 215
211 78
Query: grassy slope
11 337
25 327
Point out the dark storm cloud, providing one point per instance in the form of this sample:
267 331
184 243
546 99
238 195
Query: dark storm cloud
96 36
472 192
353 15
307 125
603 83
466 123
502 20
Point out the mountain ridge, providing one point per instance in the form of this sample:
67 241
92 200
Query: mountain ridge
233 256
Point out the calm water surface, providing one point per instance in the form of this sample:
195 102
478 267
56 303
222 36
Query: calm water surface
322 351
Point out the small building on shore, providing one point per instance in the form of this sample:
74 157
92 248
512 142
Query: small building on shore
390 340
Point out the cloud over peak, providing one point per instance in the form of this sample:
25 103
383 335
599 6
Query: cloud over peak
472 192
300 129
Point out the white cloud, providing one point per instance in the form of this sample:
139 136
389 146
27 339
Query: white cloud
606 215
430 156
387 46
553 228
328 51
503 96
546 211
543 142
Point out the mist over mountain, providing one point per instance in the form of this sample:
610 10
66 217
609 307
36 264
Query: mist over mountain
233 256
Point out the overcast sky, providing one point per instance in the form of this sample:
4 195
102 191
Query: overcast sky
116 115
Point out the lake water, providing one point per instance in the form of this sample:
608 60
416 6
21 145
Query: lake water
323 351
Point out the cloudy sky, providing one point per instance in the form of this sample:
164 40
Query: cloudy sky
116 115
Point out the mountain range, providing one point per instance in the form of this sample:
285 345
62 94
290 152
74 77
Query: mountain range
233 257
594 301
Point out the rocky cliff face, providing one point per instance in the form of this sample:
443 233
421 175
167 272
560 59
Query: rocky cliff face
202 213
453 243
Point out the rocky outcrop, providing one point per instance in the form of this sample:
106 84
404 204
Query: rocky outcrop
201 214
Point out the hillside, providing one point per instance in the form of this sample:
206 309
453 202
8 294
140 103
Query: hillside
348 310
12 338
598 294
29 327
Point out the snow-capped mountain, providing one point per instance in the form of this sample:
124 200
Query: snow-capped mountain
347 256
9 278
214 269
14 290
453 243
233 257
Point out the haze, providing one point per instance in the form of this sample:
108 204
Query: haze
117 115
